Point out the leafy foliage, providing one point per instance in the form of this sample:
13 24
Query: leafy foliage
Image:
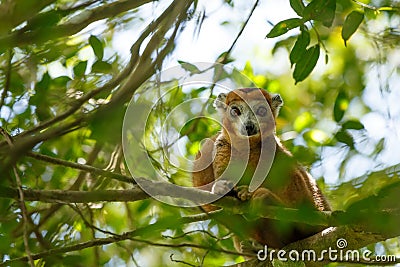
315 12
64 90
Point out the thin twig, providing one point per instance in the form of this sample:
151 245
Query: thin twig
226 56
82 167
171 257
30 140
160 225
133 62
21 202
25 218
87 223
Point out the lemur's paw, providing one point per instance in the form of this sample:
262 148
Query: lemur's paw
243 192
222 187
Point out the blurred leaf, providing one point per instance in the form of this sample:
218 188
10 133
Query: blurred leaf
341 104
107 124
17 86
345 137
196 92
61 81
43 112
284 26
321 10
379 146
303 121
370 14
45 20
224 58
80 69
72 260
352 124
101 67
300 47
304 67
315 137
297 6
351 24
304 155
385 199
189 67
286 43
220 74
44 83
97 47
39 99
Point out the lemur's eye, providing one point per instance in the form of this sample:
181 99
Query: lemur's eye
262 111
235 111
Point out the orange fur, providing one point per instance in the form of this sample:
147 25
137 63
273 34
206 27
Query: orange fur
287 184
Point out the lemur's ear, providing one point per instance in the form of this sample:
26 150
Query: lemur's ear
219 103
277 103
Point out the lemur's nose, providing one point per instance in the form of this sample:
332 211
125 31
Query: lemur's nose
250 129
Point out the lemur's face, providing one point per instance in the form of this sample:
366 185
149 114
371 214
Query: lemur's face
249 112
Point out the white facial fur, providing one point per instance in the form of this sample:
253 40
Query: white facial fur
249 118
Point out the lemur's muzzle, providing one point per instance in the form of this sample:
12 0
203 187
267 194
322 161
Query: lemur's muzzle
251 129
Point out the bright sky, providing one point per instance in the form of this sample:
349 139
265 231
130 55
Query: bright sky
215 38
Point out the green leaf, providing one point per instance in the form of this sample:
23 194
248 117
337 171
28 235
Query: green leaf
379 147
328 14
297 6
351 24
61 81
224 58
353 124
44 83
286 43
45 20
80 69
300 47
303 121
189 67
307 63
321 10
97 47
284 26
345 137
16 83
41 90
105 126
305 155
101 67
341 104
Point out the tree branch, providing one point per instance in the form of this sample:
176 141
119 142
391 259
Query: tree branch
230 204
71 26
28 139
164 223
13 13
82 167
357 233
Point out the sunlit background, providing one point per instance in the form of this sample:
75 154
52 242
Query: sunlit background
342 122
376 106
